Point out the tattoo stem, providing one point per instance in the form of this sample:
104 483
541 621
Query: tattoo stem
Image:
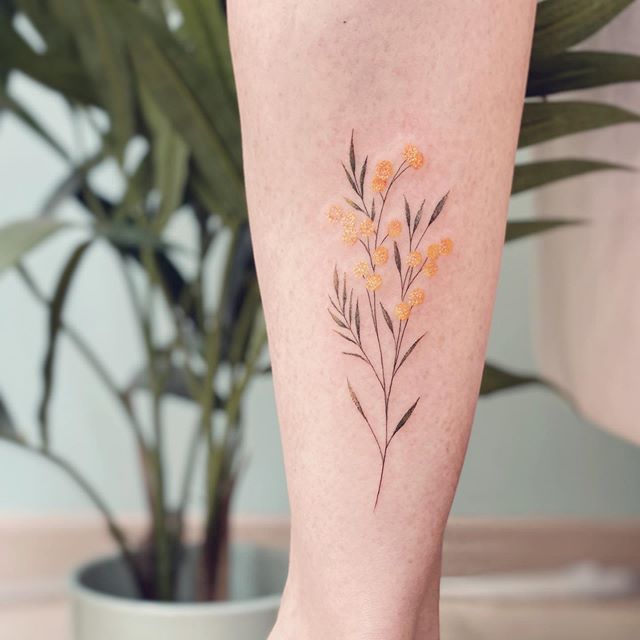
384 459
398 173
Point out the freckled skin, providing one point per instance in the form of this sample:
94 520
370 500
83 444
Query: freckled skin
438 86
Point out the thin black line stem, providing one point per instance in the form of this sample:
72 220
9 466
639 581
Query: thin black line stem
375 437
384 197
384 459
357 341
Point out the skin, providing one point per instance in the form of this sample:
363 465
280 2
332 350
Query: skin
451 81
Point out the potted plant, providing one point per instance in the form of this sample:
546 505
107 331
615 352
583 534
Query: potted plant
162 74
192 168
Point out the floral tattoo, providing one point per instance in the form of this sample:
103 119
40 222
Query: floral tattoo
375 336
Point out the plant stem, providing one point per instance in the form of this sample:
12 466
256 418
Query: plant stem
207 402
149 474
89 355
189 472
398 173
163 550
156 384
384 380
116 532
103 374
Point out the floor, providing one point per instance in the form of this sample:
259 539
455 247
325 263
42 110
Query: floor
33 579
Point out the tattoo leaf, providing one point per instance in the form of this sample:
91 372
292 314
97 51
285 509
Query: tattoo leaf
350 305
405 418
347 338
337 320
358 319
353 204
409 350
363 173
438 210
416 222
344 294
334 305
352 182
355 355
354 397
407 212
352 156
336 281
396 255
387 319
373 209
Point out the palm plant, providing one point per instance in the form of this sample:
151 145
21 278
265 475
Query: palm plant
161 72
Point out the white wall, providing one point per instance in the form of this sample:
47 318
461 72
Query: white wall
529 453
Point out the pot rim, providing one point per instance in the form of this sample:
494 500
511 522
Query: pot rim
222 607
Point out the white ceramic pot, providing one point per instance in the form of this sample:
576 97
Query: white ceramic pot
103 609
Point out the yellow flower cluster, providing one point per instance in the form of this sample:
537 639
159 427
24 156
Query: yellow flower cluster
384 169
349 219
413 156
414 259
415 297
378 184
380 256
367 228
394 229
361 270
374 281
349 237
350 224
349 233
430 269
434 251
403 309
335 213
446 246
